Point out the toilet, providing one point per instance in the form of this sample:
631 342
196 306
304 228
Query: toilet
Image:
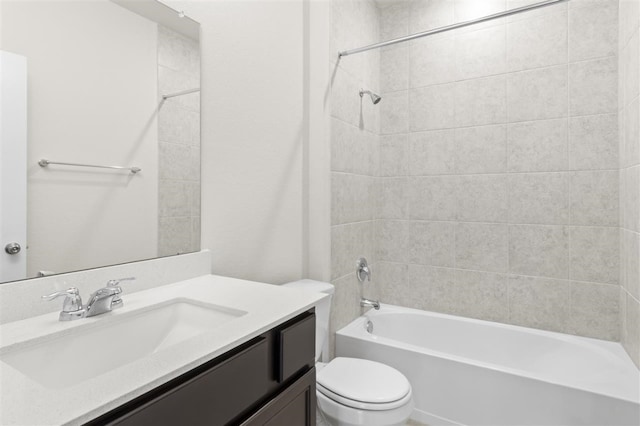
353 391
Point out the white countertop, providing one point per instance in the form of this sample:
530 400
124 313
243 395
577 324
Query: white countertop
26 402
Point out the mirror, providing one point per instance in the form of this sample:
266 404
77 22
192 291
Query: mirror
106 83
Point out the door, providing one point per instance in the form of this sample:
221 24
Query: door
13 166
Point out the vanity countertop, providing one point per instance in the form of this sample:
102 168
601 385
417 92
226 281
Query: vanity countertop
26 402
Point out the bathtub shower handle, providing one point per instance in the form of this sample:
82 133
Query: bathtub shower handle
362 270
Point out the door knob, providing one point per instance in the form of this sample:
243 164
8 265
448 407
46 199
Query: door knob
12 248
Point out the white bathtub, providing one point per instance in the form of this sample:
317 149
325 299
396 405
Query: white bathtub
471 372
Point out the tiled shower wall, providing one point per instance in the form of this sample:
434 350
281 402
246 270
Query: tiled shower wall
498 188
629 112
354 144
179 144
497 184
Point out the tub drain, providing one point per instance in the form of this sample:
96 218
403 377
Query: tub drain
369 327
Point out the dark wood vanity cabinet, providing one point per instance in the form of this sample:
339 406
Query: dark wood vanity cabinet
269 380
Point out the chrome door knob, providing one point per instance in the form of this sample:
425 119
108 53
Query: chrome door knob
12 248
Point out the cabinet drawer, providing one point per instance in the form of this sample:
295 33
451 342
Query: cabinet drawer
295 406
215 397
296 346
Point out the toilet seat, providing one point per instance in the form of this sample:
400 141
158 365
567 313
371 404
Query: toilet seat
363 384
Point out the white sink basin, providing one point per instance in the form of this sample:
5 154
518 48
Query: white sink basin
112 342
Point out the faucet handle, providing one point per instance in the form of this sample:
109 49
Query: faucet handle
115 283
71 291
72 307
362 270
117 301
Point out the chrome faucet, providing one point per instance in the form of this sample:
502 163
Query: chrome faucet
370 303
102 300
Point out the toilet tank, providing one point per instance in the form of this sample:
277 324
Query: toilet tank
323 310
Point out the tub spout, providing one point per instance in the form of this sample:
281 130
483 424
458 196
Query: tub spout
368 302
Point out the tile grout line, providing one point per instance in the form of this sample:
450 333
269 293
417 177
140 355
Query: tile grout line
503 74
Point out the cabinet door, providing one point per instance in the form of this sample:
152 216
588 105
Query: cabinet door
214 397
295 406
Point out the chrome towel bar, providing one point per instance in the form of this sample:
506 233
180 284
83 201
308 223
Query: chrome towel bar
45 163
180 93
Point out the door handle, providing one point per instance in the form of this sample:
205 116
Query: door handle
12 248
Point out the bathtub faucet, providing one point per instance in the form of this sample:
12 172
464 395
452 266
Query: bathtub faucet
368 302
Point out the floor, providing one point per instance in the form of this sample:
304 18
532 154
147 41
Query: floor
320 421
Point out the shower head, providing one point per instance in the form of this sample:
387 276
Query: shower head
374 98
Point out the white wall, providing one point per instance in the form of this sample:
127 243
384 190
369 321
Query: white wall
253 137
79 218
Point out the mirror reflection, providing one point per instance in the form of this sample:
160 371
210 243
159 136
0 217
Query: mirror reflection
97 83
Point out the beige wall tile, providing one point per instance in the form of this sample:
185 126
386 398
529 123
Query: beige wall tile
539 198
392 281
466 10
394 155
428 14
594 198
537 41
348 243
595 310
432 198
593 87
432 153
431 243
481 101
630 262
593 30
345 103
351 198
430 288
595 254
481 149
174 198
631 63
394 69
480 53
593 142
392 240
631 339
352 149
537 94
394 21
482 198
631 198
431 108
482 295
538 146
539 250
345 306
393 198
174 235
431 61
394 114
539 302
482 247
630 155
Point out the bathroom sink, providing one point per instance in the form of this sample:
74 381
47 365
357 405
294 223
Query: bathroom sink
109 343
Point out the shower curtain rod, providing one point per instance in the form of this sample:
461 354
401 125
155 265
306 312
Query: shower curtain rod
450 27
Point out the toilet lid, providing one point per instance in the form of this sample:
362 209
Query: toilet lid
363 381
